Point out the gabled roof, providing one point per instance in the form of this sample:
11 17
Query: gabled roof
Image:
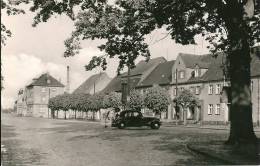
143 66
43 81
141 70
87 86
162 74
215 70
203 61
113 86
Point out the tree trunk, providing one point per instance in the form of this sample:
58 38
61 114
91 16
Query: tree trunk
241 130
57 114
93 115
75 114
65 117
241 107
185 116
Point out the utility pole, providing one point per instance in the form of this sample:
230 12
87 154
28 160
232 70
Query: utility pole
49 103
176 92
128 82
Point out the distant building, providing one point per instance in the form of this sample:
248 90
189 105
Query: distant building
137 75
35 97
20 105
94 84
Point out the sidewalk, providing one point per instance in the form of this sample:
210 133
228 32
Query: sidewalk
213 127
248 155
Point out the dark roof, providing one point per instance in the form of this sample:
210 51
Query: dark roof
141 68
86 86
162 74
203 61
42 81
215 71
113 86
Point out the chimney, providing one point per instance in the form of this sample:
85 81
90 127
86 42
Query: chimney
48 79
68 80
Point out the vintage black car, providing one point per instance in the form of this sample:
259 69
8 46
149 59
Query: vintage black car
131 118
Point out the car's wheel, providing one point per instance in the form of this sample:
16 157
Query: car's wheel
121 125
155 125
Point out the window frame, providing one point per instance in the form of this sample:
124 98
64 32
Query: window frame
210 109
218 89
181 74
210 89
217 109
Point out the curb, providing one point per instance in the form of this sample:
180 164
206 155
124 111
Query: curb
210 156
201 127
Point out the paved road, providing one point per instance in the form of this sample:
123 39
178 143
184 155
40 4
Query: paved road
38 141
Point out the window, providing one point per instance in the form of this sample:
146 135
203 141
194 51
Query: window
43 99
136 114
53 89
217 110
181 74
210 109
197 90
43 89
210 90
196 72
182 89
218 87
251 86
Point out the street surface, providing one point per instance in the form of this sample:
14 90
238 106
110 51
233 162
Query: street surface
38 141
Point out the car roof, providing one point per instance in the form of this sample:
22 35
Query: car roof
125 111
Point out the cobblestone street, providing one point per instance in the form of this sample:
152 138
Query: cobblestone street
38 141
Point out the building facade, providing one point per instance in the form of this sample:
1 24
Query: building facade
35 96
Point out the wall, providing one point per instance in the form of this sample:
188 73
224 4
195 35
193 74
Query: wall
212 99
256 99
180 66
38 100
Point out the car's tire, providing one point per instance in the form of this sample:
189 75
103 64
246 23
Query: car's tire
155 125
121 125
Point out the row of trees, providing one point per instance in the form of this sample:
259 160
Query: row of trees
156 99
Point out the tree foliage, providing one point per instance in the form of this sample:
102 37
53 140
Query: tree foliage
157 99
125 23
186 99
136 101
10 8
112 100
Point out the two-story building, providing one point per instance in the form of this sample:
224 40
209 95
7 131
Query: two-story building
204 76
38 93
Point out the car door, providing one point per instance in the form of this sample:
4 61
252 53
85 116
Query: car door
128 119
136 118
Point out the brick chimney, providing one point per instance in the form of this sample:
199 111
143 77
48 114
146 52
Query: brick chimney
68 80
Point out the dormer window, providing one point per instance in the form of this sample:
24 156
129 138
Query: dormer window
181 74
196 72
48 81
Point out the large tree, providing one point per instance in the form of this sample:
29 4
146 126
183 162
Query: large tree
225 23
186 100
157 99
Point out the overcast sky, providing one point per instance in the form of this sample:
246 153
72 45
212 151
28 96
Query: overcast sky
32 51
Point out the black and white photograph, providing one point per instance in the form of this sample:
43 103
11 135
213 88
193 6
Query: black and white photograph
130 82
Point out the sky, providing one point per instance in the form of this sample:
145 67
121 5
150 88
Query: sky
32 51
